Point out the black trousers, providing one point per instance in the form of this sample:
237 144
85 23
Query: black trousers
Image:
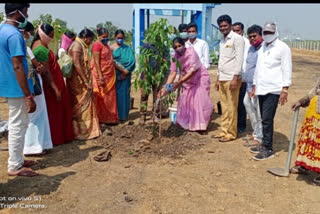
268 106
242 113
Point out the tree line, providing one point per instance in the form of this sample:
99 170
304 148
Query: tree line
60 26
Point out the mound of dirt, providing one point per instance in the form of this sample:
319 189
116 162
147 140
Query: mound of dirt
143 140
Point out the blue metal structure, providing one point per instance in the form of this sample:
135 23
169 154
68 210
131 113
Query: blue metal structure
201 14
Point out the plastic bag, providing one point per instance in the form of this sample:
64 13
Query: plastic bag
66 64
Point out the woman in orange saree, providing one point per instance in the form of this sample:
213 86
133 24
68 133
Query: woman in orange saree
104 79
84 115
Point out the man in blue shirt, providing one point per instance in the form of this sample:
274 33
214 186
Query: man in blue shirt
251 104
15 86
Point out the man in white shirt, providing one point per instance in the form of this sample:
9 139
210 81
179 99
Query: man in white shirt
199 45
271 81
228 79
238 27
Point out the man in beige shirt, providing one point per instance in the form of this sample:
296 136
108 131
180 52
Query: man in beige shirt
228 80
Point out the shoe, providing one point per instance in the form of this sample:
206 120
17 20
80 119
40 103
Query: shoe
256 150
264 155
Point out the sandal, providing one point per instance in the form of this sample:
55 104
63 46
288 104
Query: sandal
300 170
104 156
251 143
218 135
29 163
4 149
316 181
27 172
248 138
203 132
225 139
44 152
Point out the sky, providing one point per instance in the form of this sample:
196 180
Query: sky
296 19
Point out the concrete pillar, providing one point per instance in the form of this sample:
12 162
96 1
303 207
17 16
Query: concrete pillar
139 28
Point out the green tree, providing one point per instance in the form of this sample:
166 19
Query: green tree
45 18
156 34
128 38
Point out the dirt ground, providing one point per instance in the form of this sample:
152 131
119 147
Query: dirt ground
184 172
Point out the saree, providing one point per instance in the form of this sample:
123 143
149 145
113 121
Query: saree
194 103
59 112
38 136
105 97
124 56
84 115
308 149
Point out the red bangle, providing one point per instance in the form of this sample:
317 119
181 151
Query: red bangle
30 97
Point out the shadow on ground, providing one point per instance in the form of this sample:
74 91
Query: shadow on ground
27 186
66 155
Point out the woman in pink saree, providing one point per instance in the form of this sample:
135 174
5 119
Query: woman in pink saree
194 104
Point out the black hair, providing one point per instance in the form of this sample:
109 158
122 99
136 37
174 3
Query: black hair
255 29
102 30
10 7
86 33
224 18
29 27
69 34
174 30
119 31
238 23
179 40
192 24
182 27
47 29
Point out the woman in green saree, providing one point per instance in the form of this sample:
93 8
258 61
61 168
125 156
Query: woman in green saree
125 63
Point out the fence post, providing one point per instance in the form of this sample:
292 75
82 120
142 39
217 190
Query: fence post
305 44
313 45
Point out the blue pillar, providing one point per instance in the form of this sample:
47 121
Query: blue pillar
197 18
133 31
142 22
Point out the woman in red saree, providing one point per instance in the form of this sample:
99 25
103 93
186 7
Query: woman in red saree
104 79
56 95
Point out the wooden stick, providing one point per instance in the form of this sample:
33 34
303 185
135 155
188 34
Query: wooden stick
160 120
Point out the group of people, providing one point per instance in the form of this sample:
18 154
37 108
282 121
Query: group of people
46 109
253 77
